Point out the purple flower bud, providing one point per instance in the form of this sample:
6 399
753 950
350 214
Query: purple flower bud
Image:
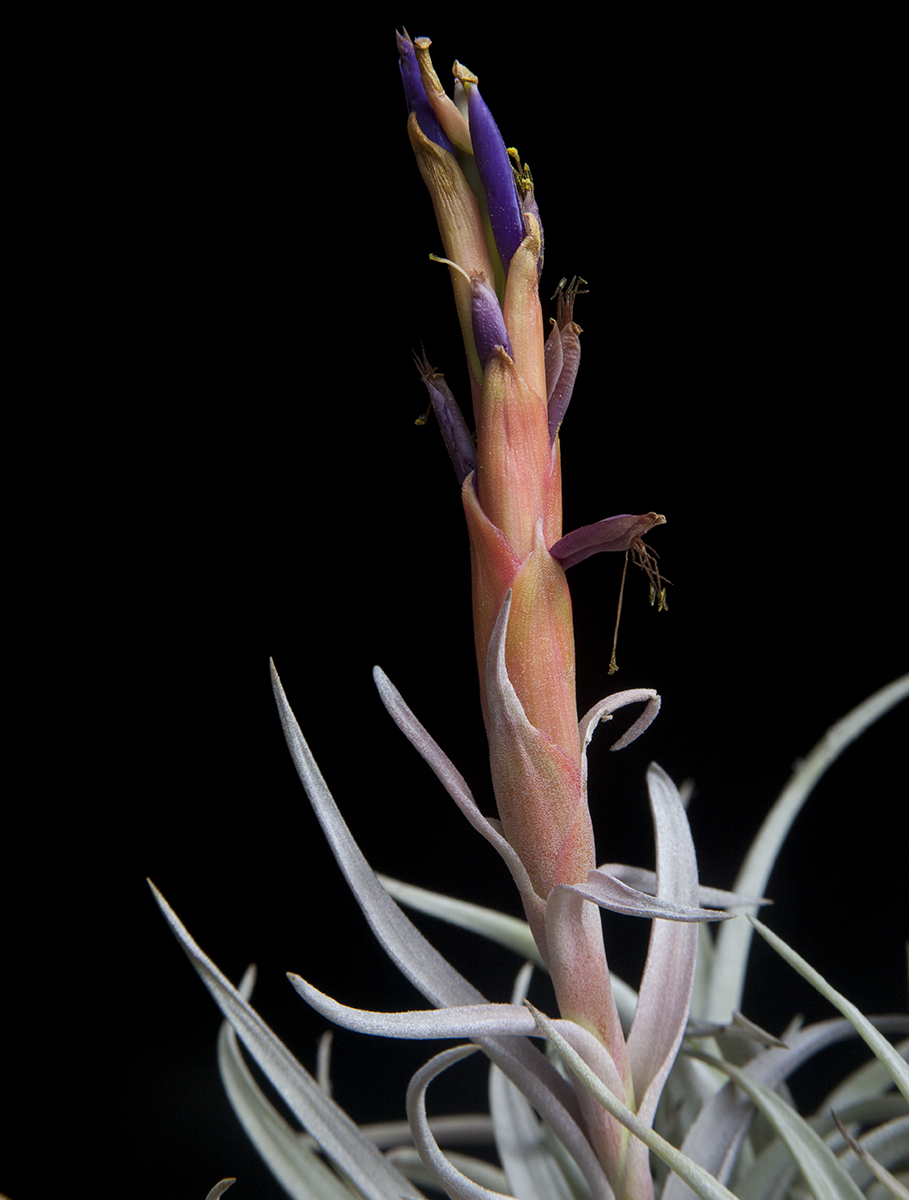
415 93
461 449
563 356
497 177
489 329
488 323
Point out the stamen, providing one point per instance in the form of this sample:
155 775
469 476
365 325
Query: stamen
566 297
645 557
522 176
437 258
613 665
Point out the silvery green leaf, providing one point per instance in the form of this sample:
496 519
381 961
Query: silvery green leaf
618 897
419 961
532 1172
476 1169
869 1080
507 931
739 1026
700 1182
511 932
716 1135
332 1128
665 991
875 1039
820 1169
734 939
453 781
523 1146
460 1129
603 712
455 1021
708 897
880 1148
218 1190
897 1190
455 1183
295 1165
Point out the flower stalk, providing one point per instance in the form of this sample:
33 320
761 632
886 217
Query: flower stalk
521 384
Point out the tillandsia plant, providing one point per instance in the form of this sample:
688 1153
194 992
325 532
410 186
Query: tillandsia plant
622 1093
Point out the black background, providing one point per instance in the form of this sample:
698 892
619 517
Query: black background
262 235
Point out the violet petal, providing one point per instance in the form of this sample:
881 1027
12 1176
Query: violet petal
415 94
460 444
563 386
497 177
488 323
614 533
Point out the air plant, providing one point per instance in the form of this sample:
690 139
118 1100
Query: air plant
621 1093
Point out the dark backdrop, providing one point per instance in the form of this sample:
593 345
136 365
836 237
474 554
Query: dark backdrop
727 195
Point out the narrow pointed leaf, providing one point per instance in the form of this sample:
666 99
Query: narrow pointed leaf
332 1128
665 992
302 1174
603 712
708 897
618 897
220 1188
872 1079
420 962
433 975
468 1021
734 940
533 1173
893 1140
499 927
818 1164
891 1059
451 779
700 1182
716 1135
525 1150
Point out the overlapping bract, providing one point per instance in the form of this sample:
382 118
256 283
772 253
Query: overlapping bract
521 384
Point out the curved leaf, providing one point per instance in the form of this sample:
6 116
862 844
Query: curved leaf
499 927
299 1170
533 1173
713 1140
891 1059
734 940
456 1184
218 1190
420 962
329 1124
700 1182
820 1168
